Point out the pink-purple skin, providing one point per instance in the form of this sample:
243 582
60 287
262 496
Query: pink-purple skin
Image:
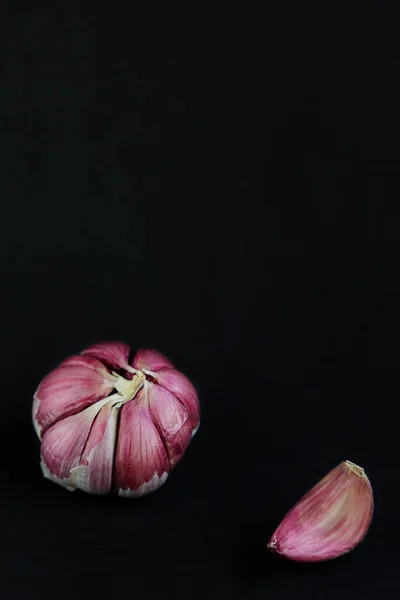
76 384
114 354
64 444
141 463
95 440
330 520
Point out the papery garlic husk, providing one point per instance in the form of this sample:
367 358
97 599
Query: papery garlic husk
330 520
109 423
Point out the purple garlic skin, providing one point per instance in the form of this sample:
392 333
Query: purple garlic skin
111 424
330 520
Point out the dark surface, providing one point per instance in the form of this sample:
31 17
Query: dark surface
215 186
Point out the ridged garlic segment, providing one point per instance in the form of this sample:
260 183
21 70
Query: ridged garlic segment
330 520
111 424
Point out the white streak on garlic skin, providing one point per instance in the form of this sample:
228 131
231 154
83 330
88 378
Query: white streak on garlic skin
151 373
64 443
35 409
195 430
74 385
148 487
95 471
48 475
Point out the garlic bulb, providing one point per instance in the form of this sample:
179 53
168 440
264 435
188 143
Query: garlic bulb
330 520
111 424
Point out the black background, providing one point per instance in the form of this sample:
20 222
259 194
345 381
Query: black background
215 185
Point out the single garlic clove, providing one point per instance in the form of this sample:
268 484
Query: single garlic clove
64 443
150 360
114 354
95 470
141 461
77 383
180 386
171 419
330 520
